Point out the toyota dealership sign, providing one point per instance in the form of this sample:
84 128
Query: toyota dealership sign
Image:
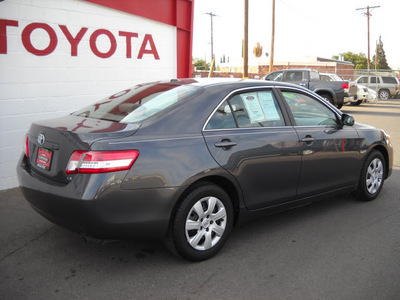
58 56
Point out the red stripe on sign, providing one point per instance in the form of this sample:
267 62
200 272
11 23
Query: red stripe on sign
178 13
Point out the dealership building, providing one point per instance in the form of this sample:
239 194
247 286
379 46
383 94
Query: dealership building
58 56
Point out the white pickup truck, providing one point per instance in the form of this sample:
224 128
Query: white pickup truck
350 88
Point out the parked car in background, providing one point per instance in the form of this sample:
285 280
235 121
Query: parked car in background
185 160
331 91
385 86
365 94
362 94
372 96
350 87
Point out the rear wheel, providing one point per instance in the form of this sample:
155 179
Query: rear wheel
384 94
372 177
202 223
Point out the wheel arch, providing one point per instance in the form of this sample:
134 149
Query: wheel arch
385 154
227 185
325 91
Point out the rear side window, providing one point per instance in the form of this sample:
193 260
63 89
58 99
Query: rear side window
139 103
375 80
326 78
247 110
222 118
388 79
293 76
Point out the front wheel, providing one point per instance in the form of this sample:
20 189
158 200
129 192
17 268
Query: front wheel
372 177
202 223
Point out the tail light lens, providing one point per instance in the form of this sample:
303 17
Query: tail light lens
101 161
26 146
345 85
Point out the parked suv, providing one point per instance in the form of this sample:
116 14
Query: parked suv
385 86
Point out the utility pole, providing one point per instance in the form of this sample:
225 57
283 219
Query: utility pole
212 35
367 13
271 58
246 41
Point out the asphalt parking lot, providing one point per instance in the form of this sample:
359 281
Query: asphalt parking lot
335 249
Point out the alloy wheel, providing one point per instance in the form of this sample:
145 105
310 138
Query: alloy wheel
374 176
205 223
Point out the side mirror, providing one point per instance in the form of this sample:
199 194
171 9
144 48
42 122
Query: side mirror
347 120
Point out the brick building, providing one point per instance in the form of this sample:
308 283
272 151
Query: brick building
260 68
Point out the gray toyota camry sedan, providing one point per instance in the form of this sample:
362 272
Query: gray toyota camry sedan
186 160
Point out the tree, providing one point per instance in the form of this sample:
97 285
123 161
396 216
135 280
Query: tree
359 60
380 57
200 64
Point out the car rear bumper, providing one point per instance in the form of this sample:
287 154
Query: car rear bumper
103 212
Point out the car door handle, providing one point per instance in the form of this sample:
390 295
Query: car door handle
225 144
308 139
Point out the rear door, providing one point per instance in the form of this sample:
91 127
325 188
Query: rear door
330 151
248 136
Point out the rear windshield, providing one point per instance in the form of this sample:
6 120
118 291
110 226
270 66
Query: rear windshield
387 79
138 103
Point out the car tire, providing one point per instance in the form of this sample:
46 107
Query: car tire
357 103
201 224
372 177
384 94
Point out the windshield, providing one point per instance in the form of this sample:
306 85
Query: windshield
138 103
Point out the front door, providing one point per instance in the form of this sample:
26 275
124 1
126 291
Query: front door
330 151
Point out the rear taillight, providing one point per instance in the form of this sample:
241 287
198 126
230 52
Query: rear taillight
345 85
26 147
101 161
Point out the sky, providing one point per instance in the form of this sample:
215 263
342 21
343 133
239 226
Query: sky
307 28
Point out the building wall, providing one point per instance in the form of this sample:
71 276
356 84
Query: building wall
58 56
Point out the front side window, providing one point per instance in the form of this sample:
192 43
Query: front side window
363 80
308 111
247 110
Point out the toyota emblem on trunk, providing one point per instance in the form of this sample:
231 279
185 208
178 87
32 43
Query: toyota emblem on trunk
41 138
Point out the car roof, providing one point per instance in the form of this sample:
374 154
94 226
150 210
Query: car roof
234 82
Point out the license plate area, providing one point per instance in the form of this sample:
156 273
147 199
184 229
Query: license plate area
43 159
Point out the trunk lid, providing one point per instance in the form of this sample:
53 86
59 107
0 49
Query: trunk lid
51 142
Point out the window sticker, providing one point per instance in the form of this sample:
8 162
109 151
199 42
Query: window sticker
268 106
253 107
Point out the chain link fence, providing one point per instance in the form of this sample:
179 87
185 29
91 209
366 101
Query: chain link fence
344 73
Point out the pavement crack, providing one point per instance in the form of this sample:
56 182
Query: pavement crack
26 244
